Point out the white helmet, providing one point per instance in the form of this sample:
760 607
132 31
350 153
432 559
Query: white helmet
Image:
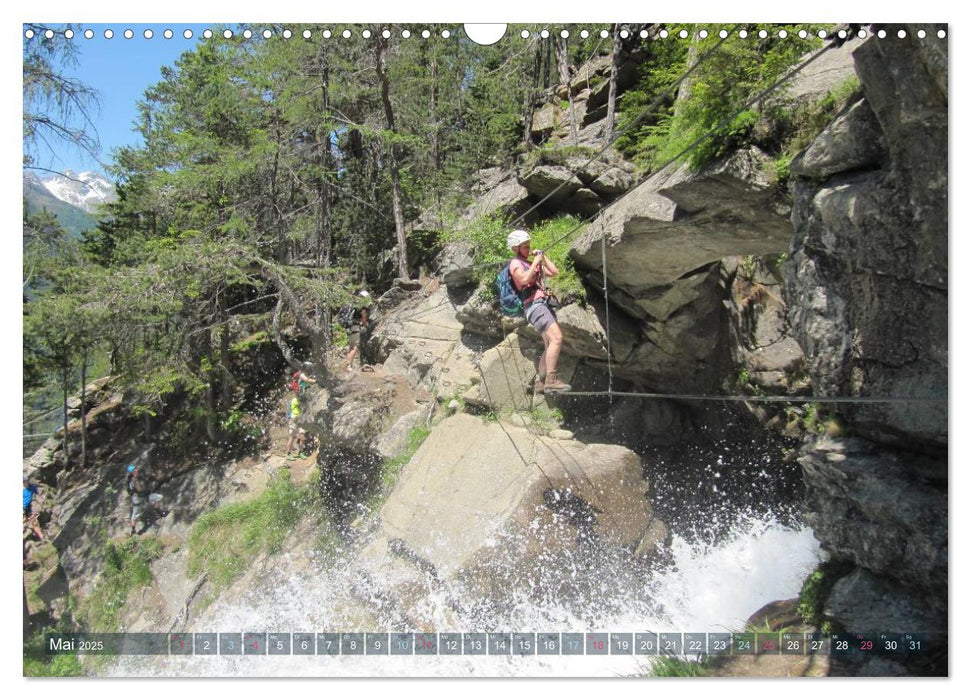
516 238
364 293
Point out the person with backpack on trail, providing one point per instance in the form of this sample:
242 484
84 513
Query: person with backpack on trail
297 434
300 378
140 487
529 280
354 322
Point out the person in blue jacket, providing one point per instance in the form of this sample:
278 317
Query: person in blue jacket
30 516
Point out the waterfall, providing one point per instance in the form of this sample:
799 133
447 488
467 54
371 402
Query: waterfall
705 587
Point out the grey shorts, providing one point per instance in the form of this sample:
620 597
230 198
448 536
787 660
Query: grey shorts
540 316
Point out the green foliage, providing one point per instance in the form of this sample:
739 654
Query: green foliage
676 667
339 335
248 343
125 569
816 589
731 76
224 542
546 418
797 124
39 665
487 234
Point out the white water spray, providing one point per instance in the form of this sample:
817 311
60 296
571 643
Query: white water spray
707 588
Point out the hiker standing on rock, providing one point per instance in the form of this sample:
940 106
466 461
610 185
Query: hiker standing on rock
30 516
297 434
141 486
529 280
354 322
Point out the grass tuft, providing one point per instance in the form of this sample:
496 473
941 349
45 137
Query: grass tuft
224 542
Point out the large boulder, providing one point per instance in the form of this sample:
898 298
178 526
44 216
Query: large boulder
678 221
500 193
456 263
424 342
556 180
496 509
852 141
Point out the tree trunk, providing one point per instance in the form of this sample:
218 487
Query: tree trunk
323 182
65 378
433 115
612 91
684 90
531 97
546 64
564 68
212 378
84 408
284 347
381 51
226 377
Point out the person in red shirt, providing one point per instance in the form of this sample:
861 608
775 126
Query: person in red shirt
529 278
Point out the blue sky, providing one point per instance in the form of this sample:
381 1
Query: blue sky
120 70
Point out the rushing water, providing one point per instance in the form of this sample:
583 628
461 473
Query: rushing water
706 587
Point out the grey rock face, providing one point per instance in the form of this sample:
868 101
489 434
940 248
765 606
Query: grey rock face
455 264
677 221
881 510
861 602
664 243
867 277
504 195
760 340
545 179
853 141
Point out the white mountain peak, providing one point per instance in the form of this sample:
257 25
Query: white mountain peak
84 190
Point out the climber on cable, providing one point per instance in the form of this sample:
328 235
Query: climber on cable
529 280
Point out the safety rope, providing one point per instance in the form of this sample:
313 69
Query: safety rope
759 399
708 134
603 261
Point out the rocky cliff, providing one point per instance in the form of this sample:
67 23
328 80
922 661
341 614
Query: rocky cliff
867 284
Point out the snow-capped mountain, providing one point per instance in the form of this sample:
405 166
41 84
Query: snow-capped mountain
85 190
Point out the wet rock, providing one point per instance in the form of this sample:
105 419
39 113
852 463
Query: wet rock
864 603
760 339
881 510
656 538
498 516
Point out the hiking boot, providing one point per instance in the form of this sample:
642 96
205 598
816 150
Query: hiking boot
553 385
538 387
